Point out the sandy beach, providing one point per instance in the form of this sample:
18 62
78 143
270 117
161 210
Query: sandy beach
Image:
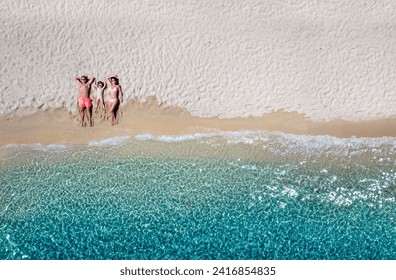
136 118
296 67
248 130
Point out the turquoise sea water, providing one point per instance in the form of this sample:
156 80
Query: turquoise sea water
240 195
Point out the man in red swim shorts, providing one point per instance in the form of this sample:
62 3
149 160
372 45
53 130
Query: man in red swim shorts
84 103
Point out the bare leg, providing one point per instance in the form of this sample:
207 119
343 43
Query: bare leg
89 116
103 106
112 106
96 104
81 111
108 109
103 113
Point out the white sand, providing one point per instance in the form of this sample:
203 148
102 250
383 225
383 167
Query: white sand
228 58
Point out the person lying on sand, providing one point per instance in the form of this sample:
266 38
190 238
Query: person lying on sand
84 103
116 97
100 87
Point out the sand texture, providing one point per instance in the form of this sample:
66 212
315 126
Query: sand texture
60 127
322 59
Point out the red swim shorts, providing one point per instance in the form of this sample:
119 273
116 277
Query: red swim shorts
85 102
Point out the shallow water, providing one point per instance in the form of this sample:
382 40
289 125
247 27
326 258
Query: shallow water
242 195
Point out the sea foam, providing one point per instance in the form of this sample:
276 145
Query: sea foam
110 141
38 147
283 141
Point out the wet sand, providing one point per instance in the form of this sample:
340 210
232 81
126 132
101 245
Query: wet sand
58 126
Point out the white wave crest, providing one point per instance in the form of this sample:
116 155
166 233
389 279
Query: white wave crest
39 147
114 141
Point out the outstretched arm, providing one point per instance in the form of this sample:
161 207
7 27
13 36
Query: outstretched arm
105 82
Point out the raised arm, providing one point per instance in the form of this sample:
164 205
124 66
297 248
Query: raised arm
77 79
111 76
90 79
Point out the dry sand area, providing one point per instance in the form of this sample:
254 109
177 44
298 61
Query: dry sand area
305 67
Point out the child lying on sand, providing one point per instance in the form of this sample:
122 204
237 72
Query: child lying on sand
100 88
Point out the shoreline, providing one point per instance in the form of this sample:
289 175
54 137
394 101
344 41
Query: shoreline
58 126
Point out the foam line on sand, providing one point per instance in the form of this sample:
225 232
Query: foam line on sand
149 118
